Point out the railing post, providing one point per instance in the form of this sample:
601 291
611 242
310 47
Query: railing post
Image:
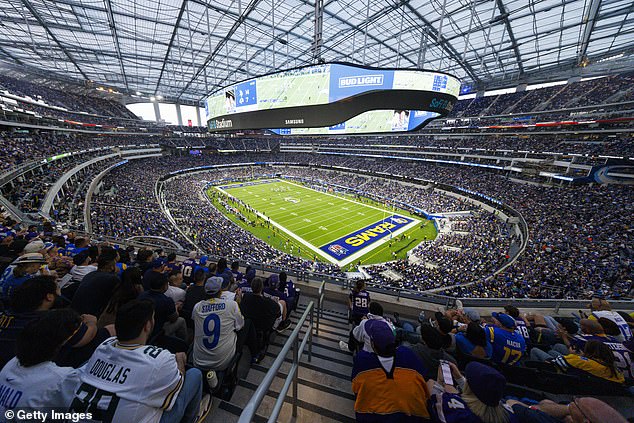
310 335
296 365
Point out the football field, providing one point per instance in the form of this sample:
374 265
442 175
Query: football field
336 228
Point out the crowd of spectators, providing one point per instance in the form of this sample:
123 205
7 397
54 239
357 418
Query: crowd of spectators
455 366
79 317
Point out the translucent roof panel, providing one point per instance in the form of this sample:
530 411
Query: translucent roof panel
185 49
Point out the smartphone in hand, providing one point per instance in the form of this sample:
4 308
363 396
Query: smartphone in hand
446 372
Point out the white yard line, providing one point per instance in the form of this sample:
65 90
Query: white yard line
328 257
287 232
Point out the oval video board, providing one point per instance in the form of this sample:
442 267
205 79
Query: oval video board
329 95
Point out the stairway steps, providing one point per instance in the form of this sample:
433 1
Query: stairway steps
324 387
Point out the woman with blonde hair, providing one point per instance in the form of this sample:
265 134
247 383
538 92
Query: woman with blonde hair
473 398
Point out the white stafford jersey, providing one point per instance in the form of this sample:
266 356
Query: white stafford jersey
617 319
128 383
215 324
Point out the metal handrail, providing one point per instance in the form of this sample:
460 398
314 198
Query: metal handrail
320 304
298 349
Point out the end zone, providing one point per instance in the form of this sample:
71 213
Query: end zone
358 243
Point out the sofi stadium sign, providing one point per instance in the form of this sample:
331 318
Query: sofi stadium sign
330 96
362 238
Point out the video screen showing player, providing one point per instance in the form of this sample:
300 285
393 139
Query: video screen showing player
230 101
400 120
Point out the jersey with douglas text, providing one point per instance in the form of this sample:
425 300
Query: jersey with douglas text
128 383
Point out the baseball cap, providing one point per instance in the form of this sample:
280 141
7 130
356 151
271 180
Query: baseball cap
504 319
381 335
250 275
34 246
213 285
159 262
30 258
472 314
486 383
203 260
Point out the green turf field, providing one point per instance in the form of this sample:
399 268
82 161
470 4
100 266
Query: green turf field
298 90
304 220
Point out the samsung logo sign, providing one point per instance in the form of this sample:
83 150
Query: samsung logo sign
294 121
360 81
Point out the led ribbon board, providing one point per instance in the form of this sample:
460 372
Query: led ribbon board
335 97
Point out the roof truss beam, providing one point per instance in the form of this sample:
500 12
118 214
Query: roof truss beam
37 16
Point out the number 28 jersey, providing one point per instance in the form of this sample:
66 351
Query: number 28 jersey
123 383
360 302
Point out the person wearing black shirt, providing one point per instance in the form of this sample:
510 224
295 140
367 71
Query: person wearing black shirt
194 294
262 311
96 288
155 274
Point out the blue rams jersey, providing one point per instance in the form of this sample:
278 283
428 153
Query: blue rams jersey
508 347
360 302
450 408
188 270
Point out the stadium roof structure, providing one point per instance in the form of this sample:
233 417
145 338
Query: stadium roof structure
185 49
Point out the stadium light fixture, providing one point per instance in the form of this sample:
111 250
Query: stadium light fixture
159 97
152 98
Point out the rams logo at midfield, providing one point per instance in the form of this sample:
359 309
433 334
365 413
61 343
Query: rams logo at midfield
361 238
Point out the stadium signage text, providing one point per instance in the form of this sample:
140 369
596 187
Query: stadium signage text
221 124
351 243
360 81
294 121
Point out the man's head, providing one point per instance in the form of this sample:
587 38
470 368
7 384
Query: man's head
257 285
504 321
591 327
134 320
158 265
235 266
144 256
28 264
171 257
376 308
106 264
283 278
81 259
41 339
213 286
37 293
609 327
442 323
222 265
81 242
592 410
486 383
175 278
159 282
599 304
199 277
512 311
382 338
192 254
35 246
